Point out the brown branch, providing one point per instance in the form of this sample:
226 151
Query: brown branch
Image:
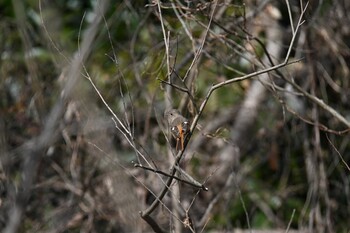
320 103
153 224
341 157
191 181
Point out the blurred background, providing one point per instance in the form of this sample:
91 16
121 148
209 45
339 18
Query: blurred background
273 149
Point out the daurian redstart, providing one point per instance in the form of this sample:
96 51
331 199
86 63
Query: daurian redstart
179 126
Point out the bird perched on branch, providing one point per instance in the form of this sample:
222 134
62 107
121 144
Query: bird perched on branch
179 126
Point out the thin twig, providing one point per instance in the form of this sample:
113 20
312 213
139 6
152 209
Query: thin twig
290 16
320 103
290 221
193 182
340 156
199 51
166 38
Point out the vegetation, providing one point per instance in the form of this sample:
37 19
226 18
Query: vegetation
84 146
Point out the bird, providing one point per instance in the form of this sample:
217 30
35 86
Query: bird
179 126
